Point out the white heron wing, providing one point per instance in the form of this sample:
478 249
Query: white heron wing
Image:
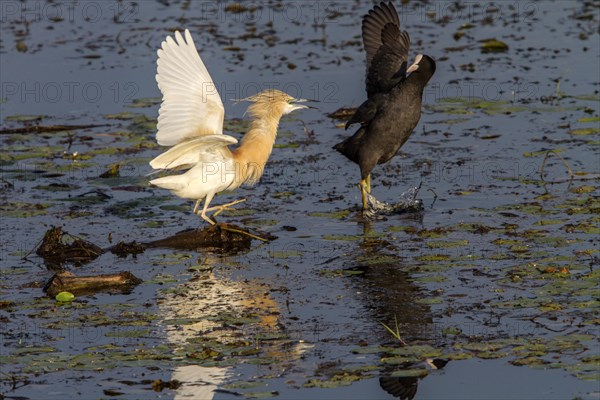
191 104
207 148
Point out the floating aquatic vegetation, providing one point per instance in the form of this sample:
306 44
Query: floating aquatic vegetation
493 46
65 297
333 214
22 209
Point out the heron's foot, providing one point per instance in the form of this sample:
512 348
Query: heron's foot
217 210
206 217
221 208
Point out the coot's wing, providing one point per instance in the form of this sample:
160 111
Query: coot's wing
404 388
387 48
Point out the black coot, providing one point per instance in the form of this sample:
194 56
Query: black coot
393 106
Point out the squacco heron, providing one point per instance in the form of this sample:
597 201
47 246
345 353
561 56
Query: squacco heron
191 120
393 106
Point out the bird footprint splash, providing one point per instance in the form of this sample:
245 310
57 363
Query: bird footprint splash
408 203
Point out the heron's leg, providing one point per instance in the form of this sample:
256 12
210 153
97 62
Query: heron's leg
207 201
363 192
196 206
224 207
369 183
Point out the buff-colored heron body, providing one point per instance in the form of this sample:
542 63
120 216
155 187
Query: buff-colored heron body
191 120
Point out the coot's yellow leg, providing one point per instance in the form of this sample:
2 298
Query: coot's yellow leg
363 192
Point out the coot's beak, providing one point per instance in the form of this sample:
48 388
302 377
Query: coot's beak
415 65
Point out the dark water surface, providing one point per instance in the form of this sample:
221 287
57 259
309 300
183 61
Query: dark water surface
498 275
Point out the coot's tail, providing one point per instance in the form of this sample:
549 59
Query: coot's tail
350 146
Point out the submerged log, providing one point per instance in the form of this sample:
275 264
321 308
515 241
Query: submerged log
215 237
65 281
123 249
58 247
224 238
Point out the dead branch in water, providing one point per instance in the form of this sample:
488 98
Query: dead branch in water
81 285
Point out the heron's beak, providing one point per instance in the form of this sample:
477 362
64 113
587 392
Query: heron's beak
305 101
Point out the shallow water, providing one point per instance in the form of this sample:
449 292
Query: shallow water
498 274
